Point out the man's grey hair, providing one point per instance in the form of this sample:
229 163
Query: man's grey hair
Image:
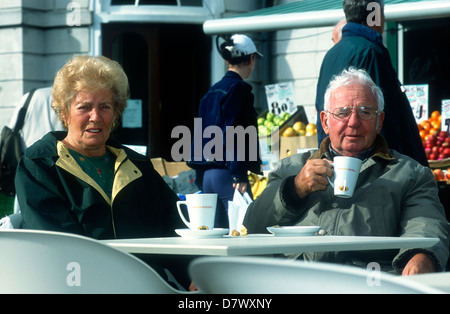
356 11
350 76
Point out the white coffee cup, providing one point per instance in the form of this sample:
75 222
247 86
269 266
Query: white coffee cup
346 172
201 210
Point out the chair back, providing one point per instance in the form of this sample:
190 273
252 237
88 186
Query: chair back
252 275
16 220
51 262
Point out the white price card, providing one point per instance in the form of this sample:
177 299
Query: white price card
418 99
445 115
281 98
132 117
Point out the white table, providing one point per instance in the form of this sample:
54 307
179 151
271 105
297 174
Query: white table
265 244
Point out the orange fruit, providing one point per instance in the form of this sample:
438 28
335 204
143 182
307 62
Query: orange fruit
434 131
435 124
422 134
435 115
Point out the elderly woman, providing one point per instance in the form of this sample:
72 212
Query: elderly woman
82 181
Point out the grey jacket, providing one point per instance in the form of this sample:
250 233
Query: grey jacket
395 196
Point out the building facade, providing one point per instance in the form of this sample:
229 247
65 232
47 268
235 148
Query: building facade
171 60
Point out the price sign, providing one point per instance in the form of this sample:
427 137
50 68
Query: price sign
418 98
132 117
281 98
445 114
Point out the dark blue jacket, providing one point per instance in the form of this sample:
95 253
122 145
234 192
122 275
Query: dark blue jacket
55 194
363 48
229 102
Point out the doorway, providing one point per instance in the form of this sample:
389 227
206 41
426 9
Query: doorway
426 61
168 67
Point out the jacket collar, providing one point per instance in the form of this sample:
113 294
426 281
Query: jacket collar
381 149
233 75
48 147
356 29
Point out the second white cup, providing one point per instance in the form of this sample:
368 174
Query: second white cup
201 210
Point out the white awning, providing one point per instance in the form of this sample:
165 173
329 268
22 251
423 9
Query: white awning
269 20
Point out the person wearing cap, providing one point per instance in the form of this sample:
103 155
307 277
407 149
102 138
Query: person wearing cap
229 103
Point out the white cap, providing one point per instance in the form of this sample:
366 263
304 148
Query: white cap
243 46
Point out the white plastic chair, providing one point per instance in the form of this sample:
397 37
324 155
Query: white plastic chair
256 275
49 262
13 221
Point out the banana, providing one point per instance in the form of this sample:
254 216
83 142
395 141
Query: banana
252 178
255 187
257 184
261 186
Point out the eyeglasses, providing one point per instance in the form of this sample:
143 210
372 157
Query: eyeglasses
364 113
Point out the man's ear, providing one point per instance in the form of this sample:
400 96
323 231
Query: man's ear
380 122
324 121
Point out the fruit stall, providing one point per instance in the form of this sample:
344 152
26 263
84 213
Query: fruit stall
436 143
294 133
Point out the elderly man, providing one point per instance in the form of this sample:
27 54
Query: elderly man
395 195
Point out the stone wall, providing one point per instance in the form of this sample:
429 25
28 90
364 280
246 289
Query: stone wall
38 37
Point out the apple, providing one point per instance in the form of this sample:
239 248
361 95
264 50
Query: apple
433 156
443 134
442 156
447 151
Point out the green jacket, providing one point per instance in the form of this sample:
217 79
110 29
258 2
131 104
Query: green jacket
55 194
395 196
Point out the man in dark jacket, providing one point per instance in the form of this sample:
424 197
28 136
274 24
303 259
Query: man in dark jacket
362 46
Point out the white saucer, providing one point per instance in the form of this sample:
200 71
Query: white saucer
291 231
198 234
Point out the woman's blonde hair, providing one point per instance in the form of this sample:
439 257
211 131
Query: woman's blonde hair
90 74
